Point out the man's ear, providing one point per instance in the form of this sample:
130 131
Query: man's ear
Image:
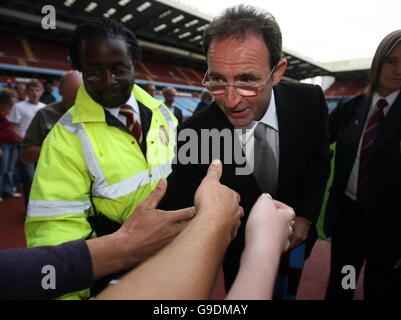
279 71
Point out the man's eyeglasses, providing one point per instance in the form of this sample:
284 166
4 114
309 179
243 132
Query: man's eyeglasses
97 73
244 88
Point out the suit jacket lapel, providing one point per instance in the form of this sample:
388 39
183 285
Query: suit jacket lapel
146 118
289 135
222 123
358 120
390 125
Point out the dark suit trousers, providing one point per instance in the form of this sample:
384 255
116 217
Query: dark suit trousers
349 246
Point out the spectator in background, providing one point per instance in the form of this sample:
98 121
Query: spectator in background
46 118
8 84
206 100
24 111
21 91
363 215
169 94
47 96
9 136
22 115
150 88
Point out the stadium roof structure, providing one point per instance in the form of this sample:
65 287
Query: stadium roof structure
163 26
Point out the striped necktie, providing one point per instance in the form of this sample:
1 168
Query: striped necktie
370 134
133 125
265 167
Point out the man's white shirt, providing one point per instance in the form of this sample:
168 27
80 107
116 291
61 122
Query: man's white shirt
22 114
133 104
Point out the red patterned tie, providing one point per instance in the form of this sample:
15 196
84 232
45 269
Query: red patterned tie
133 126
371 131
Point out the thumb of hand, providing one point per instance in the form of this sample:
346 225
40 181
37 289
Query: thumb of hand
157 195
264 203
215 170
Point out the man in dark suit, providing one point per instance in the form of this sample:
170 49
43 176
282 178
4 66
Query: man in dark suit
150 88
169 94
206 100
243 48
364 209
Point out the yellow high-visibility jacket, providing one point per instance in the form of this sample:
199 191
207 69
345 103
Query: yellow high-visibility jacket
88 164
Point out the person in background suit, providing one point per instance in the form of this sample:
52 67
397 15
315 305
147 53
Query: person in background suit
150 88
169 94
206 100
47 95
363 214
243 48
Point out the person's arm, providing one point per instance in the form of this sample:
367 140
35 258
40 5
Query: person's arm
30 154
180 116
6 134
187 268
77 264
266 237
18 136
14 116
315 174
44 272
143 234
9 132
34 137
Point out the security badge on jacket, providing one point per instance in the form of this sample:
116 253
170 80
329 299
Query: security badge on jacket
163 135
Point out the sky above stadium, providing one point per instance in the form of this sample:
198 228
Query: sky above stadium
324 30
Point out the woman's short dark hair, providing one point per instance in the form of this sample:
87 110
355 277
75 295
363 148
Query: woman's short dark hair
383 51
241 21
102 28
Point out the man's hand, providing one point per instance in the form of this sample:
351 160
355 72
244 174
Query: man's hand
147 230
301 230
17 134
218 203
